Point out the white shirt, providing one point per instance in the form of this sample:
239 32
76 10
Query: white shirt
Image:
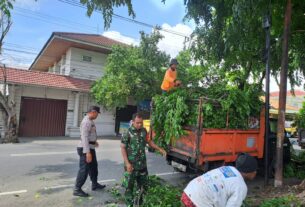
221 187
87 134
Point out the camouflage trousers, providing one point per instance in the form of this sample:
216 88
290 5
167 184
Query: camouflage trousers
138 177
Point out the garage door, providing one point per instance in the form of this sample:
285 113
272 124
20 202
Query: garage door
42 117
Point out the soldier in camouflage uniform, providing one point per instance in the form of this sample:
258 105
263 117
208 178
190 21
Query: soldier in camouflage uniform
133 150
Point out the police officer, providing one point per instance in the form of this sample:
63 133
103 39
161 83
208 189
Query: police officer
133 151
86 152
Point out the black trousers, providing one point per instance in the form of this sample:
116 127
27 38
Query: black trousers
86 169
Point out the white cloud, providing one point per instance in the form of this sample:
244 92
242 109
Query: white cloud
28 4
172 44
122 38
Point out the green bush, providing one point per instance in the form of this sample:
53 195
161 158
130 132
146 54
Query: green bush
161 195
176 109
295 169
286 201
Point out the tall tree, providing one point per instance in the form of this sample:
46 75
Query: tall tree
6 103
132 72
278 180
230 32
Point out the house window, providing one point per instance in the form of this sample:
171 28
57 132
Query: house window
87 58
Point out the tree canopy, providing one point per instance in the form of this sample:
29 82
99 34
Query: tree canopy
230 33
132 72
6 6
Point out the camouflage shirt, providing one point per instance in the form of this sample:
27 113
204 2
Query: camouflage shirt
135 142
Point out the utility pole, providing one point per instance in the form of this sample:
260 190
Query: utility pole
267 25
278 180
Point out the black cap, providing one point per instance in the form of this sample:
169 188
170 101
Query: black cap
174 61
94 108
245 163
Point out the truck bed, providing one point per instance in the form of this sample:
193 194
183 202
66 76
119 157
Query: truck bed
220 144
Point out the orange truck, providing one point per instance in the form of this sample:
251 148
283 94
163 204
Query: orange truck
204 149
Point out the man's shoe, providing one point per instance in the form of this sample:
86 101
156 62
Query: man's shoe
80 193
97 187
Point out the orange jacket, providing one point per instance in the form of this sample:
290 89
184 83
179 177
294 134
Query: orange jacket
169 78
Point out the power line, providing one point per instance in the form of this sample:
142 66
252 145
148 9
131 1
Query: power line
40 17
46 18
49 21
20 51
20 46
34 51
55 18
17 55
31 53
74 3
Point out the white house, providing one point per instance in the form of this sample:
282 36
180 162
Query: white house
53 95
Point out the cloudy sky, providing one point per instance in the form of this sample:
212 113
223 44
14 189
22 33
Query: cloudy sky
34 21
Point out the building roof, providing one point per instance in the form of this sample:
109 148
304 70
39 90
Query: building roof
90 38
296 92
59 43
275 105
43 79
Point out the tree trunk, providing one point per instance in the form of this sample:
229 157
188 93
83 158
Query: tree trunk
9 118
7 105
278 181
11 135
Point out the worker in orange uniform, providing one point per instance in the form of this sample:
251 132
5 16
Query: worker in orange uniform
170 78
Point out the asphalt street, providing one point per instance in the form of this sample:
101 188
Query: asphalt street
42 171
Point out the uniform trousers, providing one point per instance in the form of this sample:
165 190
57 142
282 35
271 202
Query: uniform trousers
86 169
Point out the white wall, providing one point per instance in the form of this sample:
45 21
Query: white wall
68 62
70 112
105 122
82 69
72 64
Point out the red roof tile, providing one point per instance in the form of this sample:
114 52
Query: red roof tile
296 92
34 78
90 38
275 104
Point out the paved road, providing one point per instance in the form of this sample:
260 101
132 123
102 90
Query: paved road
42 171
